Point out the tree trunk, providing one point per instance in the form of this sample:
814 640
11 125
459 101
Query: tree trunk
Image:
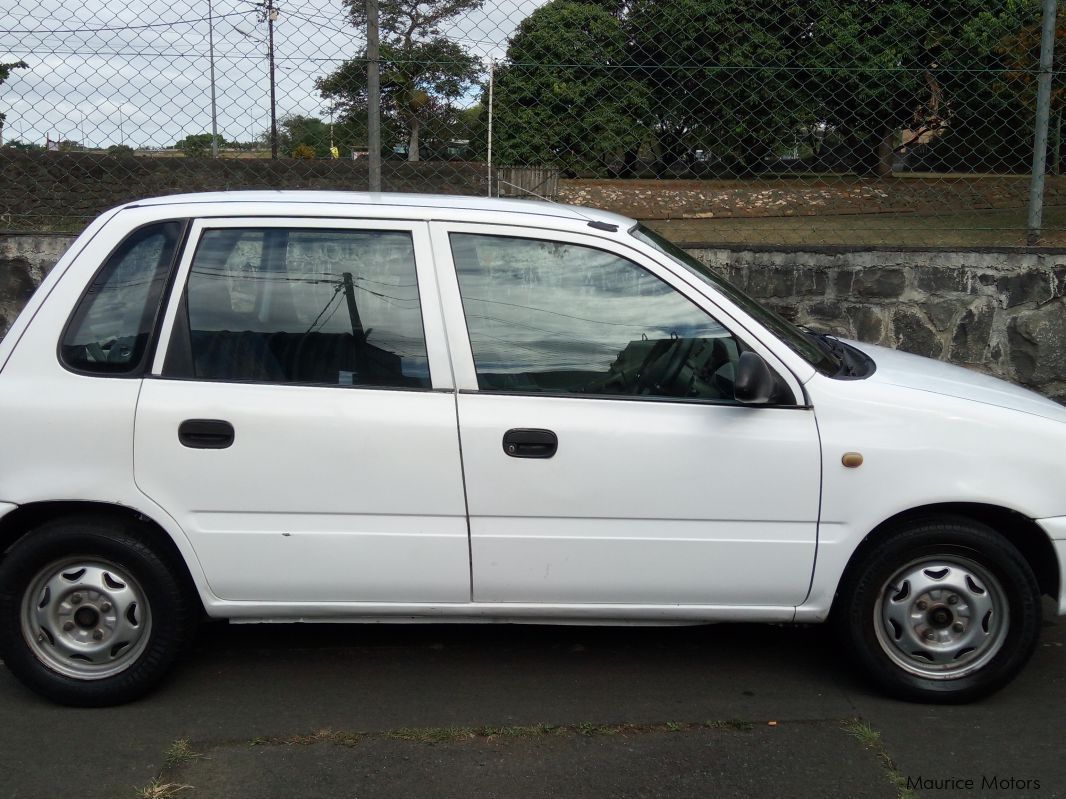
883 167
629 162
1056 143
412 142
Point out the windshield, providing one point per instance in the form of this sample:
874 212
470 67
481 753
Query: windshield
804 345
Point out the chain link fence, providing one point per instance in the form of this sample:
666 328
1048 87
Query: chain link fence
794 122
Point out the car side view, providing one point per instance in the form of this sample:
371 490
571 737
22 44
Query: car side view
300 406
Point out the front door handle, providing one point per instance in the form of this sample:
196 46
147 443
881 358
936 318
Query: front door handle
526 443
205 433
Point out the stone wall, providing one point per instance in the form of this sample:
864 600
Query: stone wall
24 261
1000 312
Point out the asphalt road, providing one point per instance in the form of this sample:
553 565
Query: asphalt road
509 711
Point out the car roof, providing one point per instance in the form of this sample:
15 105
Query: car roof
424 206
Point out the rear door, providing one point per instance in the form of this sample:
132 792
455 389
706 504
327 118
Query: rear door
300 424
606 460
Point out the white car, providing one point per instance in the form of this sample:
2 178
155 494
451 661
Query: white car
299 406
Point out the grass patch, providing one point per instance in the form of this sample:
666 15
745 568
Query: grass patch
947 228
871 739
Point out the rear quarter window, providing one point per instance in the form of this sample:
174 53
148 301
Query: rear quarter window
109 331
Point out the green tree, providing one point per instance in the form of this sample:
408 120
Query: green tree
5 73
871 69
747 80
422 72
567 94
198 145
720 75
29 147
1020 52
297 130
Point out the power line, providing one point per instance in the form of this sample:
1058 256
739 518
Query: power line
43 31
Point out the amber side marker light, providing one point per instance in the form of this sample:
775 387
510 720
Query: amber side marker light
852 459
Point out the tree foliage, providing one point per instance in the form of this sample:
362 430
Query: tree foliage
310 133
5 73
422 72
198 145
1020 52
568 94
723 80
872 68
747 81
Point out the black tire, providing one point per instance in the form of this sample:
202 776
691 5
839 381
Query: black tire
123 588
929 657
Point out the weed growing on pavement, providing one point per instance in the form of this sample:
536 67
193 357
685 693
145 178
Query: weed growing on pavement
862 730
157 789
871 739
316 737
440 735
431 735
731 724
179 752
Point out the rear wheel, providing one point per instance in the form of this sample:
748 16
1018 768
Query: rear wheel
943 610
90 614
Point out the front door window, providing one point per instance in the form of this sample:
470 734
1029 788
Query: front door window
551 317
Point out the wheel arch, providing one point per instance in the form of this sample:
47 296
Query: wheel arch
1017 528
24 518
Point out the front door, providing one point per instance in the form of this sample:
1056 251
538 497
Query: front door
606 460
298 426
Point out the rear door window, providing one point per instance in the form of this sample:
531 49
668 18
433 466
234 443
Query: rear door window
302 306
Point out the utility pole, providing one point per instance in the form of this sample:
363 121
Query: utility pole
271 15
211 50
373 95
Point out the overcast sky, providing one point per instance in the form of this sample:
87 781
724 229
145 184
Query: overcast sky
139 73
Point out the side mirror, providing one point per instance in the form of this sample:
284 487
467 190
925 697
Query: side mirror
754 383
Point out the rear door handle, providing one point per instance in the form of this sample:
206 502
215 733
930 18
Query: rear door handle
205 433
527 443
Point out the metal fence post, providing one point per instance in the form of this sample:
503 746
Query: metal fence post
373 95
1043 112
492 74
214 105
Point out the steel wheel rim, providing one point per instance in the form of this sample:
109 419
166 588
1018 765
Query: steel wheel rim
942 618
86 618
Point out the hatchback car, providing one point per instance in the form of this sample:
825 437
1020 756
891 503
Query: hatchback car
284 406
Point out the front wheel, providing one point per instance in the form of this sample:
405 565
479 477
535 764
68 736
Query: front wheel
943 610
90 615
